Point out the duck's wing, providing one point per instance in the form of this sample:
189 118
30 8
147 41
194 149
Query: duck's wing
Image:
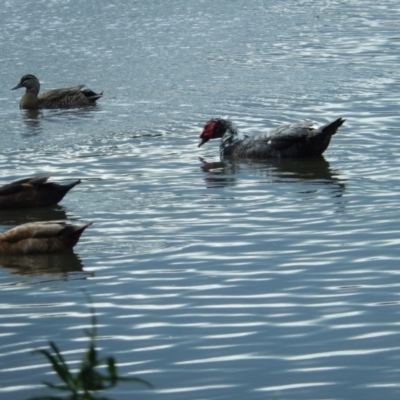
23 185
287 135
57 95
41 238
37 230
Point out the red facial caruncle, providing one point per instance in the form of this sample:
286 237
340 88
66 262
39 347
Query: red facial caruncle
207 133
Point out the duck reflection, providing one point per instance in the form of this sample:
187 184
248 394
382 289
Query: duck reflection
32 121
21 216
43 265
219 173
224 173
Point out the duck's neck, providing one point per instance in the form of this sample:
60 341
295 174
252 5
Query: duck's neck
229 142
29 101
34 90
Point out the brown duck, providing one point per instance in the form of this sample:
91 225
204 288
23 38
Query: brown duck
57 98
41 238
33 192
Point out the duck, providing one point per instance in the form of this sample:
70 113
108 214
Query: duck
44 237
58 98
301 139
33 192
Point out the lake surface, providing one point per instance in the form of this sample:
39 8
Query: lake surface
235 280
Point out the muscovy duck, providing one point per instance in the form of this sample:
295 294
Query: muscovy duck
301 139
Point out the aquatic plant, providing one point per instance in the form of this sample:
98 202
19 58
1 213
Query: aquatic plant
89 378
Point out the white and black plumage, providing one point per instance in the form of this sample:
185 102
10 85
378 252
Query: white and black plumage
301 139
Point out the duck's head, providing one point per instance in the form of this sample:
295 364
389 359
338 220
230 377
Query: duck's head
214 129
29 82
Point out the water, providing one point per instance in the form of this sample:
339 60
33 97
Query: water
210 280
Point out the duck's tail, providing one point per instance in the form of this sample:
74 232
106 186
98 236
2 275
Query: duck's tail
71 234
331 127
54 192
69 186
91 96
60 189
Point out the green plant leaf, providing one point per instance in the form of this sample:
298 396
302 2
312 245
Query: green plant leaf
112 371
88 378
58 364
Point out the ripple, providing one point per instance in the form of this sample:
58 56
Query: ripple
210 279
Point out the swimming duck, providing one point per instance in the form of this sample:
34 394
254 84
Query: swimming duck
57 98
33 192
41 238
301 139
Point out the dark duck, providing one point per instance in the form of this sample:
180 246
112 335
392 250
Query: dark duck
301 139
33 192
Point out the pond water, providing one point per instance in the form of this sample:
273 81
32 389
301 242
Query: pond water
235 280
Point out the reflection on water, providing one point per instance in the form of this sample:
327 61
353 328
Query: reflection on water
42 265
32 121
235 280
12 218
225 173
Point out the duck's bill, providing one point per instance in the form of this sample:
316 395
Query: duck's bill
202 141
16 87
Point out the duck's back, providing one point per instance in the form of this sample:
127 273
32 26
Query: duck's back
63 98
301 139
33 192
40 238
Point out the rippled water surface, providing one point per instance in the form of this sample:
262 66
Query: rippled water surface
235 280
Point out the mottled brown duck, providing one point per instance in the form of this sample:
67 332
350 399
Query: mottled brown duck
41 238
58 98
33 192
